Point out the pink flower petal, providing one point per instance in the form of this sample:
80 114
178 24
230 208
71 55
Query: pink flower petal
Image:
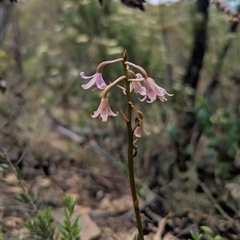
138 88
143 99
138 131
91 83
83 76
153 91
99 82
104 111
96 82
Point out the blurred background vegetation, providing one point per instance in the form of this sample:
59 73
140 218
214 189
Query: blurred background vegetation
195 135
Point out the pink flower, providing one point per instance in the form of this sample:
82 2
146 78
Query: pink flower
137 87
153 91
104 110
139 129
96 82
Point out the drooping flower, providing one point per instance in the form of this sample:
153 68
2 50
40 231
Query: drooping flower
104 110
96 81
137 87
153 91
139 129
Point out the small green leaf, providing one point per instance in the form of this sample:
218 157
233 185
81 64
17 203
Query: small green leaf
207 229
67 225
195 236
20 159
18 198
76 220
39 205
19 173
35 197
4 167
61 229
71 208
25 198
22 199
13 144
65 212
2 158
218 237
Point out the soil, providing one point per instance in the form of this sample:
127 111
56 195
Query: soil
103 196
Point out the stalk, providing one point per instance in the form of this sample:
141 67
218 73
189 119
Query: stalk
130 151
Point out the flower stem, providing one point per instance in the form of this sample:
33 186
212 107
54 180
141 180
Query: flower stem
130 151
106 90
101 65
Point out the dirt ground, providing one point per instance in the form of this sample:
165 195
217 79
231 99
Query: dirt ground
103 195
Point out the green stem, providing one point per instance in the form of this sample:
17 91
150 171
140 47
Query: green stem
130 152
25 191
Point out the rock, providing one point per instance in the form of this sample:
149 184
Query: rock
169 236
234 189
13 222
43 182
11 178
